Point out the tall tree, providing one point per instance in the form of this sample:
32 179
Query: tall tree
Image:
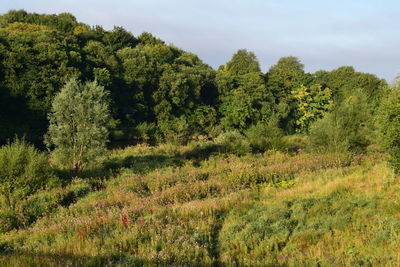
244 98
242 62
345 80
185 91
284 77
248 103
78 124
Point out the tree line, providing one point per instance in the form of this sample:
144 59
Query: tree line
159 93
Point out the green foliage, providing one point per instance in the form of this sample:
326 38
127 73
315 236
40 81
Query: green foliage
36 64
41 204
175 130
146 132
242 62
182 90
285 76
154 83
233 142
265 135
344 80
204 120
246 103
195 204
389 127
63 22
296 143
312 103
78 125
24 170
348 127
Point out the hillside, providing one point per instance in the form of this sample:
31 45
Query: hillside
188 205
123 150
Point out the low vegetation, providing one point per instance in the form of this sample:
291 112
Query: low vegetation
194 205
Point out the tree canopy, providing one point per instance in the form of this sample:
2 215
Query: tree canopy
157 87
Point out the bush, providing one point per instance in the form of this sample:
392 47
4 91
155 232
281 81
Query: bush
8 220
24 170
200 150
41 204
175 130
38 205
233 142
347 128
389 127
146 132
265 135
295 143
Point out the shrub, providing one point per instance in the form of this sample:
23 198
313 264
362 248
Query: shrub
346 128
233 142
77 189
265 135
38 205
389 127
295 143
200 150
24 170
8 220
146 132
175 130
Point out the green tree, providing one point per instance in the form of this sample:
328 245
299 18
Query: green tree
242 62
345 80
312 103
78 125
244 98
348 127
246 104
284 77
186 89
265 135
36 63
142 68
389 127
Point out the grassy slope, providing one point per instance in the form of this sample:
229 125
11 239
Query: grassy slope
171 205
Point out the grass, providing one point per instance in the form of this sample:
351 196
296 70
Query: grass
191 205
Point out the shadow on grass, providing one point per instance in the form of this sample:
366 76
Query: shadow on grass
111 168
202 152
140 164
31 259
143 164
147 163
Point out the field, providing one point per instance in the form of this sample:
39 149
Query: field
190 205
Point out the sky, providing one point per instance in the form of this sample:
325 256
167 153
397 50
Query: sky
322 34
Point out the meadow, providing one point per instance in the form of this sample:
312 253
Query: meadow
196 206
216 166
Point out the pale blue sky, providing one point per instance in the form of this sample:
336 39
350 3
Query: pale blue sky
323 34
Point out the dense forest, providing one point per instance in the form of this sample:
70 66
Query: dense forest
155 158
159 92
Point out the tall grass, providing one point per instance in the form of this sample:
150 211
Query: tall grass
190 205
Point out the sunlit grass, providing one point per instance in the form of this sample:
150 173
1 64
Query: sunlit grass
164 207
